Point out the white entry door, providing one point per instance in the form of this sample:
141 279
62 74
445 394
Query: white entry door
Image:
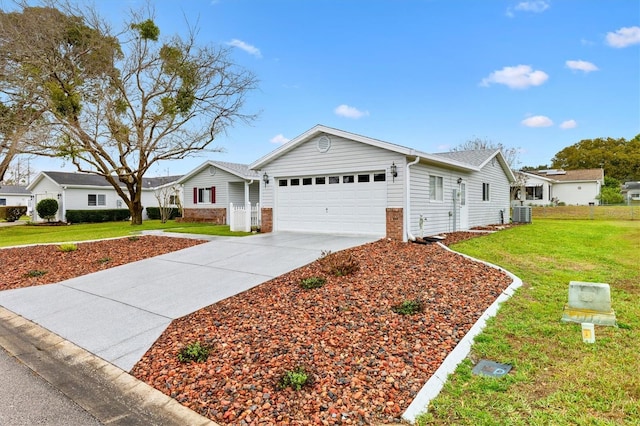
350 203
464 207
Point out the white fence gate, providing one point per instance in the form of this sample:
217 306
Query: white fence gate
244 219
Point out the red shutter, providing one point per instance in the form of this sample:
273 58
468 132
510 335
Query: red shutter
213 195
195 195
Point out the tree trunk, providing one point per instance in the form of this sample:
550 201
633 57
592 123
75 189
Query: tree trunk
136 213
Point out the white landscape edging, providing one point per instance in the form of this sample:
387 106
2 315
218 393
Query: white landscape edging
434 385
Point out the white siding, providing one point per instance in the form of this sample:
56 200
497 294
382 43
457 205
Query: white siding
204 179
576 193
488 212
344 156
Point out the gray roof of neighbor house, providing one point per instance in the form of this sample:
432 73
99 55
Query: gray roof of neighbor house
14 189
241 170
87 179
631 185
571 175
475 157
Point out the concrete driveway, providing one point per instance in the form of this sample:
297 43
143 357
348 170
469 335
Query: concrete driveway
118 313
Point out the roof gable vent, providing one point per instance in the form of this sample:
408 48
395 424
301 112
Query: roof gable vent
324 143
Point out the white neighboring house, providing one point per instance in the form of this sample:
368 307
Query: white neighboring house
212 186
631 191
571 187
15 195
332 181
83 191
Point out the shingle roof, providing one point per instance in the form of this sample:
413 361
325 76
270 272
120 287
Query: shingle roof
14 189
86 179
239 169
475 157
573 175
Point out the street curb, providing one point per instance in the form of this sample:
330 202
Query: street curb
434 385
105 391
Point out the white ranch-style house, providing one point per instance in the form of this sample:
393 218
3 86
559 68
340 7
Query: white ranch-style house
571 187
332 181
15 195
83 191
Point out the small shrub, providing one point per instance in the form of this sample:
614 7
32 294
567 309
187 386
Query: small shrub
35 273
97 215
408 307
312 282
339 264
295 379
104 260
193 352
12 213
134 238
47 208
67 247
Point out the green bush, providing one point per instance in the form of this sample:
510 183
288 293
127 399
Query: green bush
47 208
193 352
12 213
154 213
35 273
295 379
67 247
97 216
408 307
312 282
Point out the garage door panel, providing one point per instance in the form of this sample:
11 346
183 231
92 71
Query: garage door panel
358 207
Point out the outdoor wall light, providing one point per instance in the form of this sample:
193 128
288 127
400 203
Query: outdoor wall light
459 181
394 170
265 179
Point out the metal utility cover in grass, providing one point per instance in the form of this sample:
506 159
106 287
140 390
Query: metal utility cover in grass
589 302
491 368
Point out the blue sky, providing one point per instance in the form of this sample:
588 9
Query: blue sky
537 75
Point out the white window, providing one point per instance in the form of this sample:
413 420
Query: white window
436 188
534 192
96 200
485 192
204 195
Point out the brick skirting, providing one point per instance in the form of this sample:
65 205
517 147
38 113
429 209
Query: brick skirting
395 224
267 220
216 216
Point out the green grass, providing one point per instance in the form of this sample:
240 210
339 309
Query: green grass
557 379
31 234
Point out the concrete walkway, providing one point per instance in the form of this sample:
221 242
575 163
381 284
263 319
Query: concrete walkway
117 314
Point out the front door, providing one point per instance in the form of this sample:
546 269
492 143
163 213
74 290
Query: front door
464 207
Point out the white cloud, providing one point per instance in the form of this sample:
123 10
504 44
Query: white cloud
534 6
349 111
625 36
279 139
518 77
581 66
252 50
537 121
569 124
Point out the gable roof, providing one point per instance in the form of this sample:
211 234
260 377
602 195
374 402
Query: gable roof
75 179
241 170
320 129
14 190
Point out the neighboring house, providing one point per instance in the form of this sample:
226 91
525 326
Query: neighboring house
15 195
328 180
83 191
630 190
211 187
571 187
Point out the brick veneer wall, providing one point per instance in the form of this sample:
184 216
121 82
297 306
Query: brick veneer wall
395 224
267 220
217 216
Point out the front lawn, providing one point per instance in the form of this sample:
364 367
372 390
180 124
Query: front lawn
557 379
38 234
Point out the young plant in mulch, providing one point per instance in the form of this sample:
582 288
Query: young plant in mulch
294 379
35 273
134 238
339 264
408 307
104 260
312 282
194 352
65 248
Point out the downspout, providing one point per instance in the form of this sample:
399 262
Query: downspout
407 225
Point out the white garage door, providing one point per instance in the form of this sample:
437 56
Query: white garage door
352 203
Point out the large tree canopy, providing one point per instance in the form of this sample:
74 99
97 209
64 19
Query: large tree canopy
620 158
116 104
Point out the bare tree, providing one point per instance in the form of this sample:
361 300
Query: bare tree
168 197
116 104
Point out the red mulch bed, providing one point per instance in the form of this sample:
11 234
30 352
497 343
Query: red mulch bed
50 265
366 362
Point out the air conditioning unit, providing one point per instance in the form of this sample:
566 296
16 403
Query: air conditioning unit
521 214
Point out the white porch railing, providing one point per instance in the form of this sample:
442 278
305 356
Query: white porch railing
243 219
